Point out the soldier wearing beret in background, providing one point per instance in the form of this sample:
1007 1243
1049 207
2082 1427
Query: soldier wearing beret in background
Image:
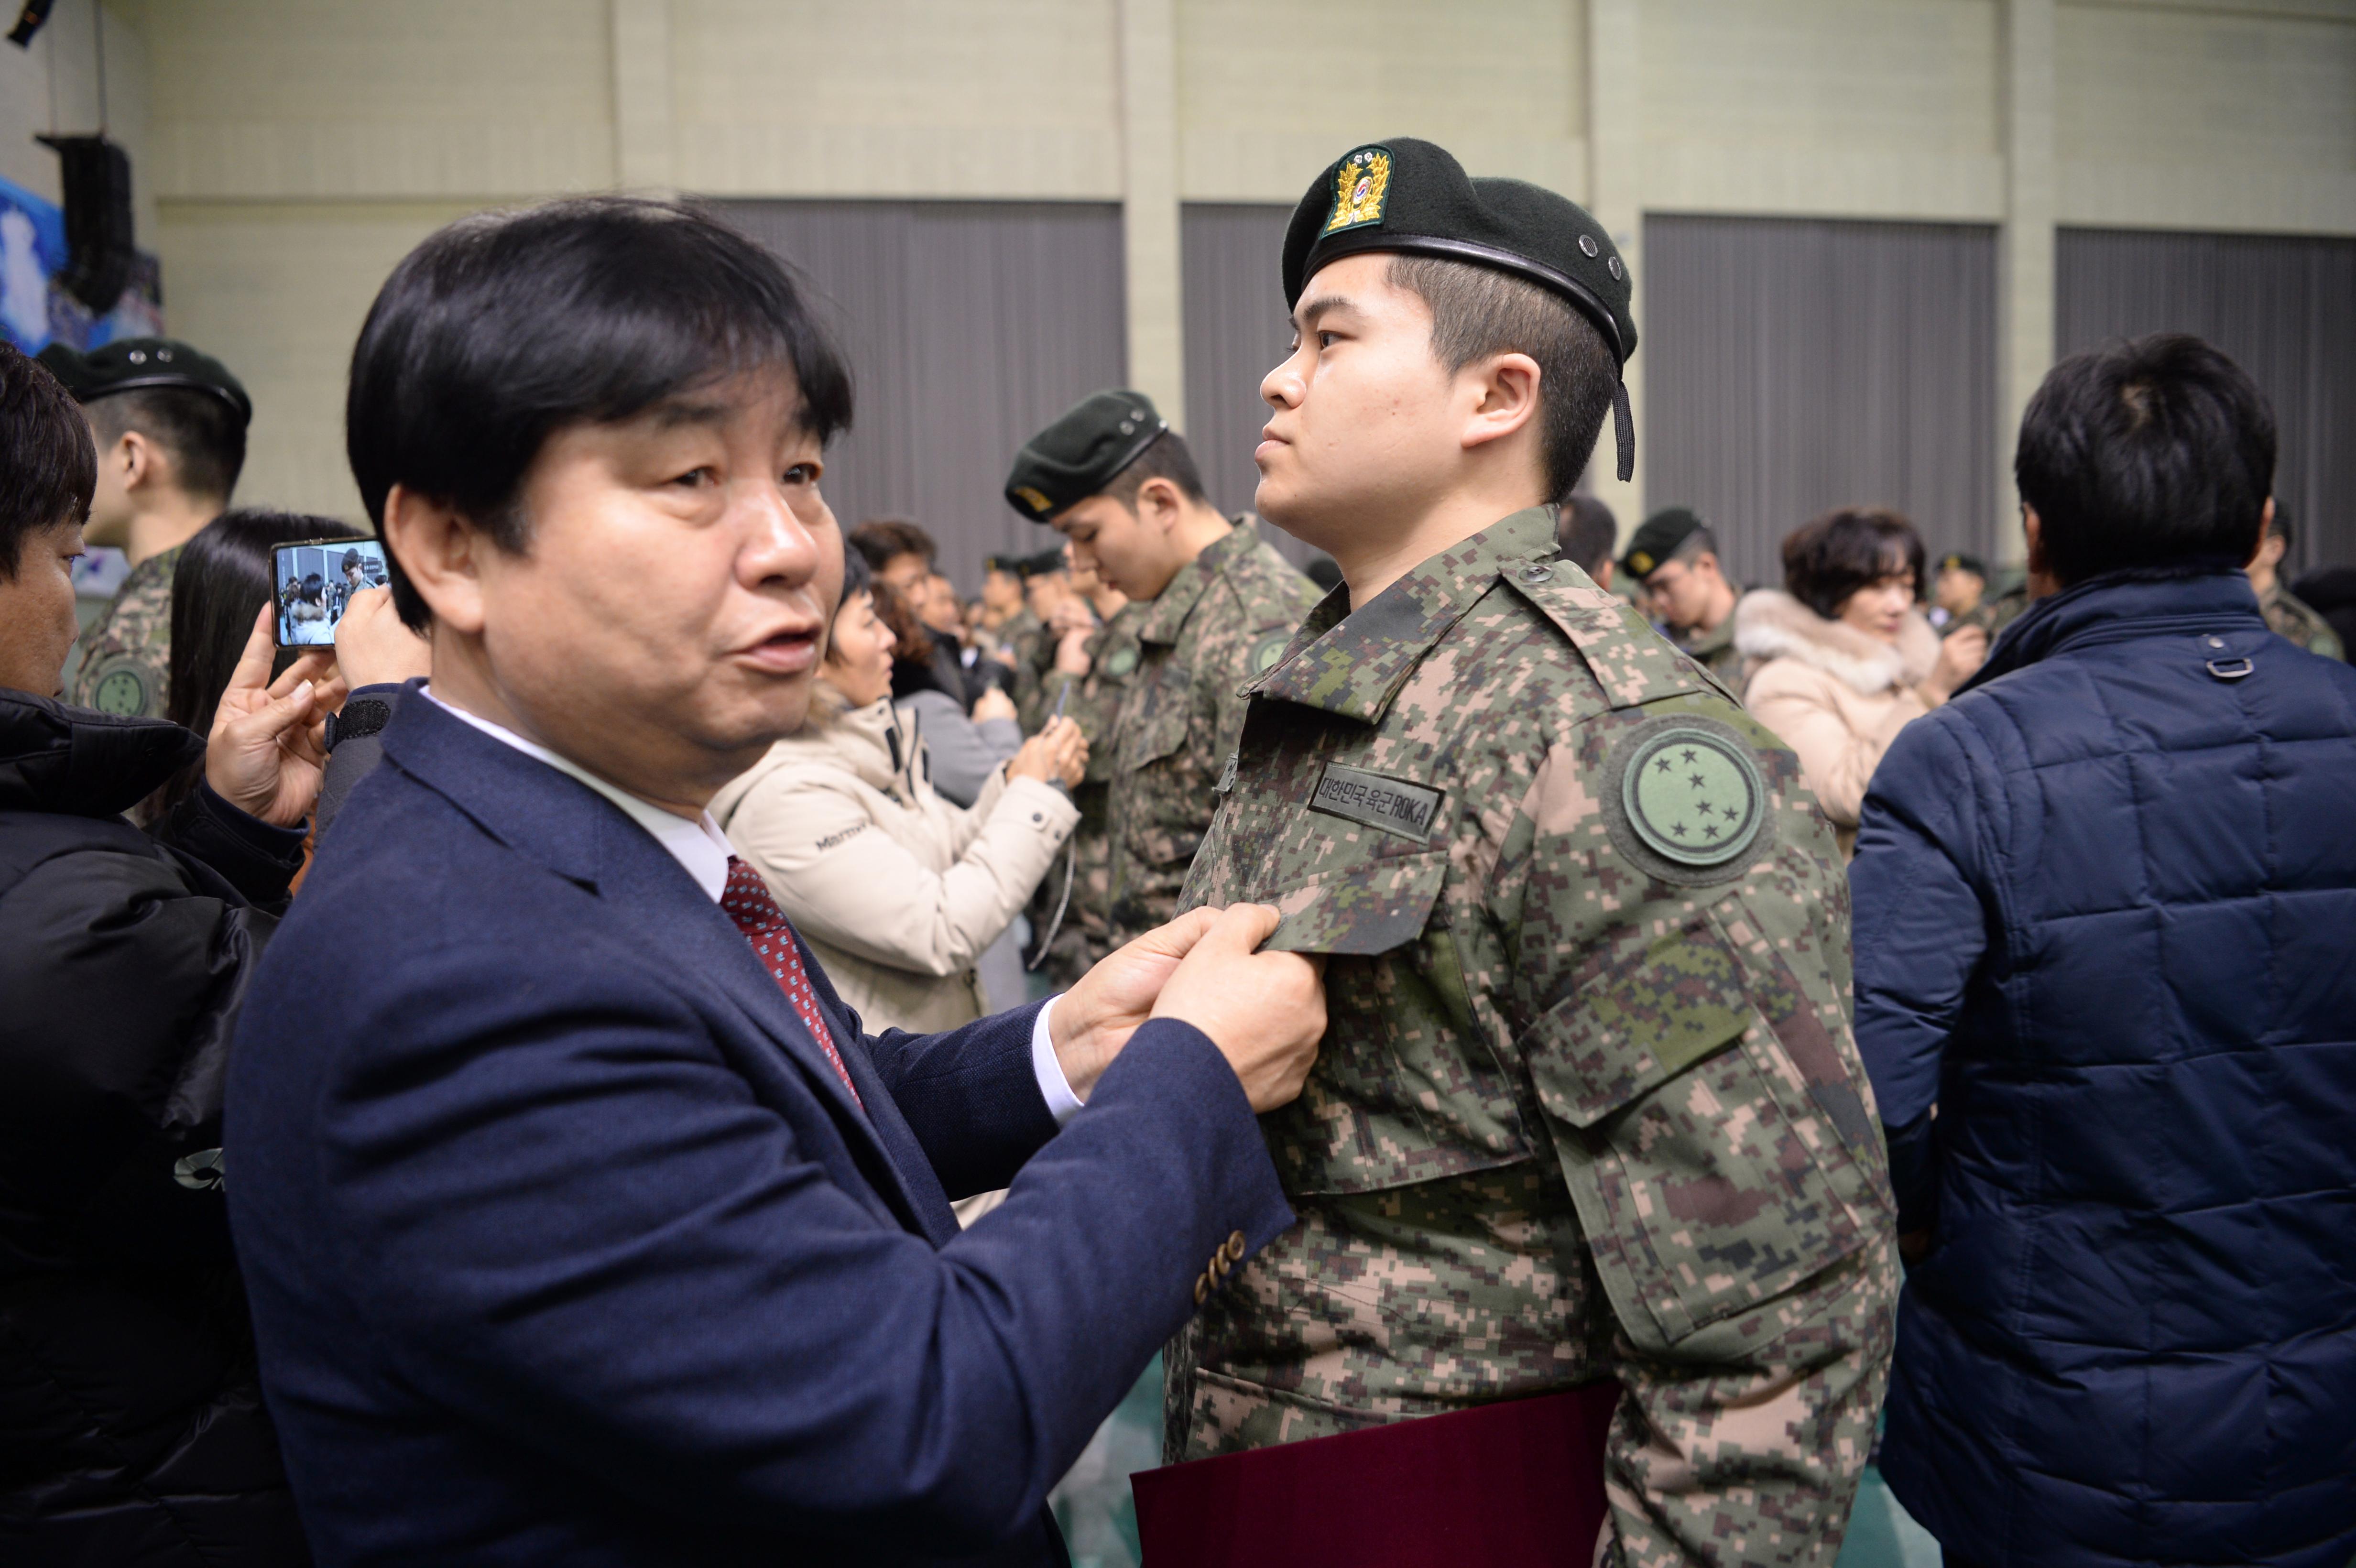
2287 615
1587 1105
1959 593
170 426
1674 559
1120 485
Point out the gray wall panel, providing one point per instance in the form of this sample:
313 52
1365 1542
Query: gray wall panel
2284 308
1791 365
969 325
1236 334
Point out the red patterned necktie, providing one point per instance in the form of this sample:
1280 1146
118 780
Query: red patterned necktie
747 899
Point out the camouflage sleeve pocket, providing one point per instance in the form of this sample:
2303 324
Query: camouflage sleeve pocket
1701 1192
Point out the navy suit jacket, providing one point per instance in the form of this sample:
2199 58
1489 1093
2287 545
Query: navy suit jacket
565 1243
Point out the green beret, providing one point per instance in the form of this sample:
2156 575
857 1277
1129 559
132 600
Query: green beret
1957 560
1409 195
1081 452
1658 539
138 364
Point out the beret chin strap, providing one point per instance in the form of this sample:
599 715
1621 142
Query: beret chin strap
1623 430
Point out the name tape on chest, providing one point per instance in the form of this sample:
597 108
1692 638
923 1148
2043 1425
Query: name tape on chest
1392 805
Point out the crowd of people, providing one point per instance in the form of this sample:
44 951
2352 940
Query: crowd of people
679 1036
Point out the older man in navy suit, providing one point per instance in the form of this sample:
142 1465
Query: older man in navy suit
585 1226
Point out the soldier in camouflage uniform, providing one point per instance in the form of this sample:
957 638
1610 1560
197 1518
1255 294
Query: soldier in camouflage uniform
1587 1105
1673 558
2287 615
1086 933
170 427
1220 605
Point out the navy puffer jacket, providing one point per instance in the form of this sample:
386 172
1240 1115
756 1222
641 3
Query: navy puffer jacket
2105 921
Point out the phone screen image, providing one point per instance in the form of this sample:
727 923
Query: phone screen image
315 581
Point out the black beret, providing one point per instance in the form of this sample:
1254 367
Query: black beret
1081 452
138 364
1406 195
1046 563
1658 539
1957 560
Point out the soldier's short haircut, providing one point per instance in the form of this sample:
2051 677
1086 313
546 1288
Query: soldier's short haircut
504 328
48 470
201 434
1700 541
1587 533
885 540
1166 457
1478 311
2154 454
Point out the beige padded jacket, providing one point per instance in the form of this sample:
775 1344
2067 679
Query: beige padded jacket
1836 695
896 889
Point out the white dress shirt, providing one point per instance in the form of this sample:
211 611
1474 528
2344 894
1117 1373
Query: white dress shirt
702 849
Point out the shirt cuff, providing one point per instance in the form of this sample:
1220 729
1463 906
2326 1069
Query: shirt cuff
1056 1088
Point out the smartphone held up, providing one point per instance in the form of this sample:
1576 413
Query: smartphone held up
316 580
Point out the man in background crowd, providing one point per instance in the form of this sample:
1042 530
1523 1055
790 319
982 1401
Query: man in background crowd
1112 477
1958 589
1032 645
2119 1115
1674 559
2288 616
1001 593
1587 533
170 426
1096 658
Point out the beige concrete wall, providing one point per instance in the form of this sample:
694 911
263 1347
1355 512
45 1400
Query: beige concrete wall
292 148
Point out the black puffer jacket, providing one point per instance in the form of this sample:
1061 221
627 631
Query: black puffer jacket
132 1430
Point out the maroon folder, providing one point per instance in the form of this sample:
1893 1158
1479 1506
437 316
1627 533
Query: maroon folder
1514 1485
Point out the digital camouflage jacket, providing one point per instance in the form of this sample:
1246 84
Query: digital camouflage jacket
2287 615
126 653
1587 1105
1032 653
1224 618
1093 705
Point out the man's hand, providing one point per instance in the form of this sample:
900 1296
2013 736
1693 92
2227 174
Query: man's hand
268 747
373 649
992 704
1095 1018
1265 1011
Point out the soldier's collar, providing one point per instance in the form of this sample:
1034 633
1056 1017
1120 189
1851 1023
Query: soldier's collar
1359 660
1171 607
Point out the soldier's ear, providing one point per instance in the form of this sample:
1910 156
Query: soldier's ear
1158 504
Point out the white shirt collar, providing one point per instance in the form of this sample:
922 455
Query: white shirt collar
699 846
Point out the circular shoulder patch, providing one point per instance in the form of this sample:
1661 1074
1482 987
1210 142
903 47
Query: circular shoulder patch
1691 794
121 690
1270 652
1121 661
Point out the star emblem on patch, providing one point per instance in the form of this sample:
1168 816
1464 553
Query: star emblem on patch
1693 795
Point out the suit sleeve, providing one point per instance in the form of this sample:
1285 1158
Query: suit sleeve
568 1218
1920 933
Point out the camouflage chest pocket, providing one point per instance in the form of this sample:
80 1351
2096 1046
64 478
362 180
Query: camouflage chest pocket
1170 789
1405 1089
1710 1170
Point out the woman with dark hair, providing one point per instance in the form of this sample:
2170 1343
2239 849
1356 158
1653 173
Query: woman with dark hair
1842 657
222 583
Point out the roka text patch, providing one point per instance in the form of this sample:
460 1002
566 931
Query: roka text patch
1392 805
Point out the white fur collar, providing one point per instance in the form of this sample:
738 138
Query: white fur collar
1769 624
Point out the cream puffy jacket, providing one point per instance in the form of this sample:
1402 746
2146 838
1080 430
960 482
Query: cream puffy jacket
1836 695
896 889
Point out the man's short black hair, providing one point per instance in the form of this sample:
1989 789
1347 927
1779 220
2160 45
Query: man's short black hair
48 470
1586 533
884 540
1827 559
1166 456
203 433
504 328
2155 452
1479 311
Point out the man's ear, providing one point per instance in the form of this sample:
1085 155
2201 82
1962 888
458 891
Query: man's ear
1159 505
441 553
145 463
2267 537
1505 396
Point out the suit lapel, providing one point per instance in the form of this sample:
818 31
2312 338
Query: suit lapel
579 834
